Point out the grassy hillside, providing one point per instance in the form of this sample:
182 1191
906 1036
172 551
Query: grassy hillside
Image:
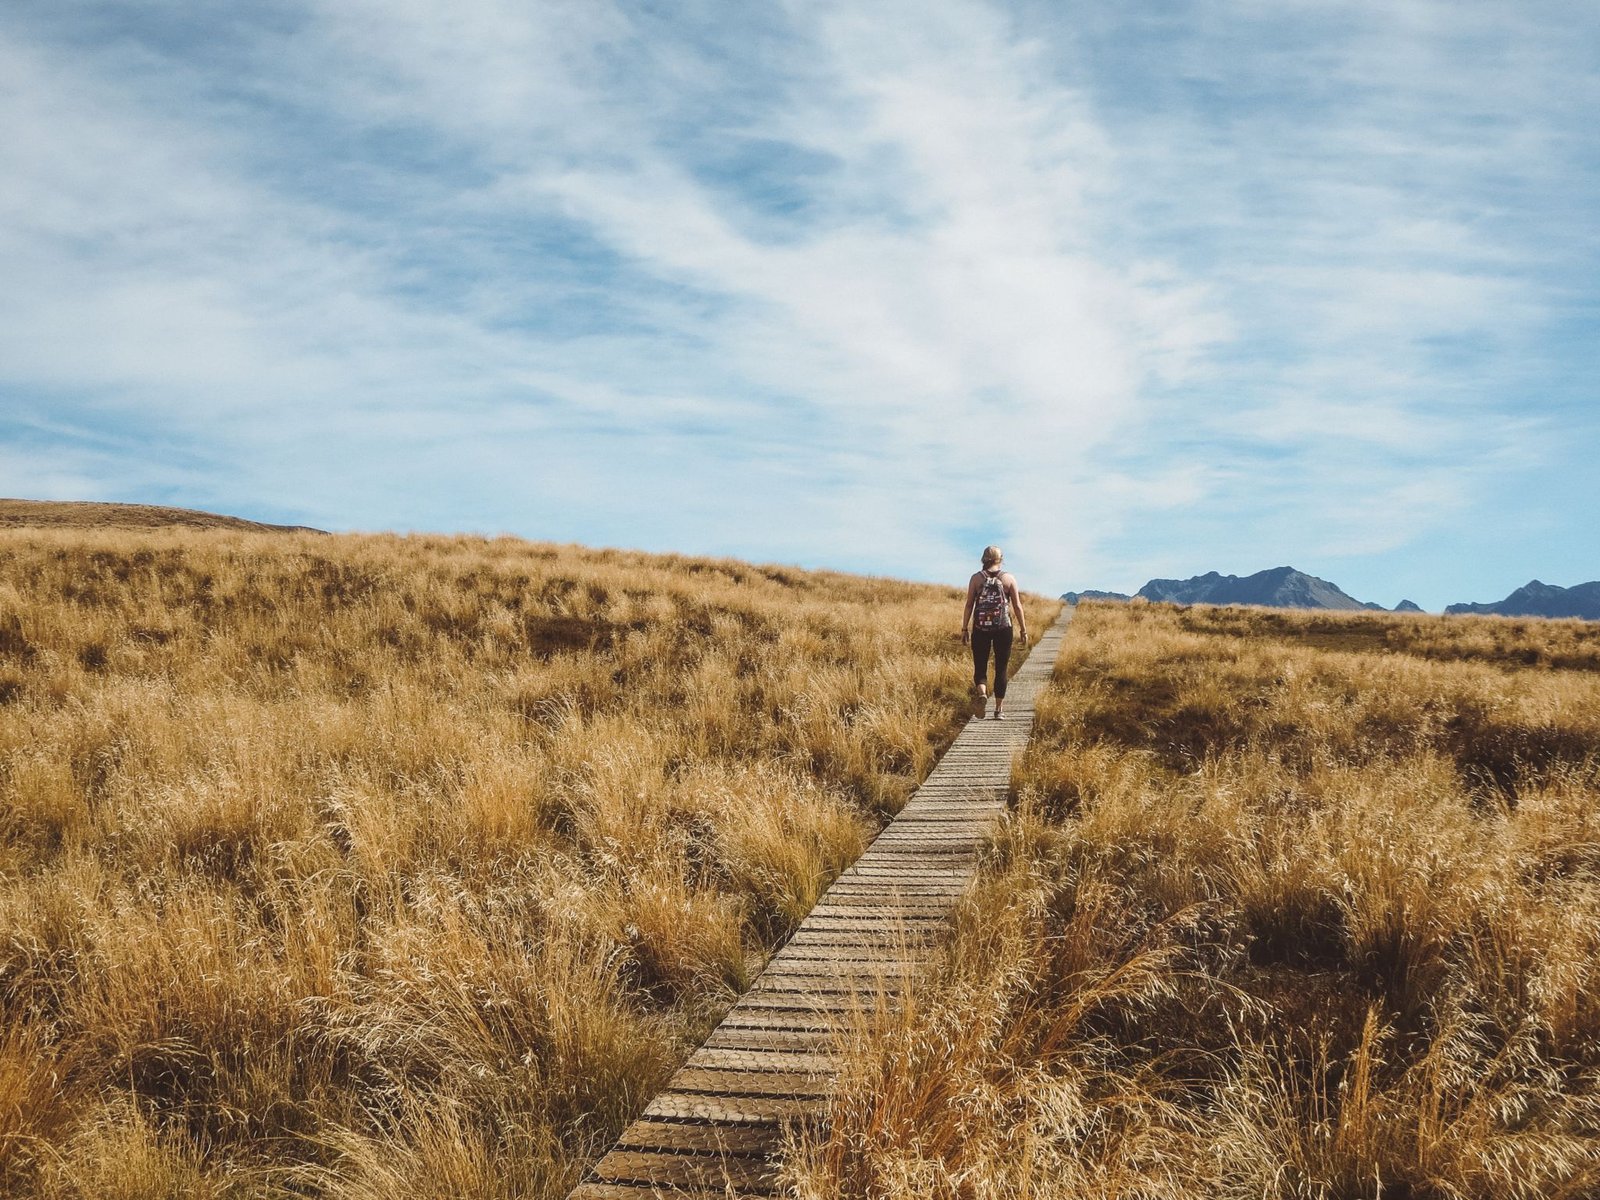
380 867
89 514
1292 905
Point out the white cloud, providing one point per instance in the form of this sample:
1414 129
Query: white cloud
968 316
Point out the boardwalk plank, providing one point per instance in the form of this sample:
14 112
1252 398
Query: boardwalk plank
674 1170
702 1138
751 1059
712 1081
590 1190
771 1026
735 1110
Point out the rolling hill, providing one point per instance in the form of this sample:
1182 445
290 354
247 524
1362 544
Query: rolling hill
90 514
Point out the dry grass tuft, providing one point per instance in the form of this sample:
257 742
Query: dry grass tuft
1290 906
375 866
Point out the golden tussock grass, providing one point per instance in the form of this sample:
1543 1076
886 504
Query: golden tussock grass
382 867
1290 905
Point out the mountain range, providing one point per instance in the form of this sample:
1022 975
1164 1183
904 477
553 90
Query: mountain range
1285 587
1535 599
1280 587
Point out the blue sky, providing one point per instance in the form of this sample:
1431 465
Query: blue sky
1134 290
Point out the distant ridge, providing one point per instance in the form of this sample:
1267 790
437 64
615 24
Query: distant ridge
1091 594
1285 587
91 514
1535 599
1280 587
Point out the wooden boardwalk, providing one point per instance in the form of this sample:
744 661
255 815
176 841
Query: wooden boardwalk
713 1130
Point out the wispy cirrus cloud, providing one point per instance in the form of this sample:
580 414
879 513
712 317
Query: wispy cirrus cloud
1136 293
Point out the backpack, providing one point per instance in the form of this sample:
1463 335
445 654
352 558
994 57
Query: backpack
990 610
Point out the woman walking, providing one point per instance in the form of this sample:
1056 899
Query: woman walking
986 625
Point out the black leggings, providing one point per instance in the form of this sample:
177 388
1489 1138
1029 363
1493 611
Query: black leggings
1000 639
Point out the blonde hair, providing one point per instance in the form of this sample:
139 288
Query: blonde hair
993 555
